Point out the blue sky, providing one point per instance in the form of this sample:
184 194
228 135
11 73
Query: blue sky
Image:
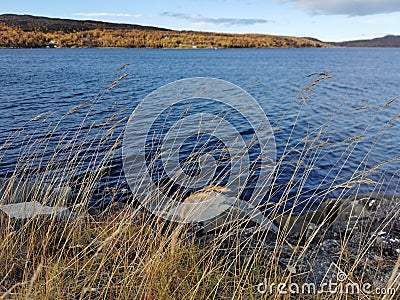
328 20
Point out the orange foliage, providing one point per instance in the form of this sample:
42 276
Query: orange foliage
17 38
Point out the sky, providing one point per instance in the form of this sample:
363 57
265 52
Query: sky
327 20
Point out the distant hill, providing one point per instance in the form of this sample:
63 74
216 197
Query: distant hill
49 25
386 41
26 31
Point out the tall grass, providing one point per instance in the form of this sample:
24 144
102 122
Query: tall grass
128 253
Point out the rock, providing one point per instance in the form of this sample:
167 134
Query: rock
350 210
25 200
12 191
310 230
330 246
3 220
27 210
368 211
299 226
239 214
360 233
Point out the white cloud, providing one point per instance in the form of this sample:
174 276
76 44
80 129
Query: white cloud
216 21
347 7
106 15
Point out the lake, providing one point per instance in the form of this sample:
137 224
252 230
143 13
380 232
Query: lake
346 111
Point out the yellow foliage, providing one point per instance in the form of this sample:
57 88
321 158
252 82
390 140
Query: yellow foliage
17 38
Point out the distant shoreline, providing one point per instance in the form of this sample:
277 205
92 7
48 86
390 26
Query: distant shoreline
176 48
26 31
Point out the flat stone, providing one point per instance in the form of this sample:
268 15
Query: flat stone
238 212
14 191
326 212
27 210
203 206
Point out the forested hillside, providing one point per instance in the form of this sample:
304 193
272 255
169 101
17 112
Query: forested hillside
18 31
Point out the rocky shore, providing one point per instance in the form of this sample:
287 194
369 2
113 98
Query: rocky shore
358 236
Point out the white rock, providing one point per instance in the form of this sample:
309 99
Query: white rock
230 210
26 210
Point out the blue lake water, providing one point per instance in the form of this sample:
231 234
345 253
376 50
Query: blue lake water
34 81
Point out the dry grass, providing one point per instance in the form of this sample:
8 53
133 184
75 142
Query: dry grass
125 253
